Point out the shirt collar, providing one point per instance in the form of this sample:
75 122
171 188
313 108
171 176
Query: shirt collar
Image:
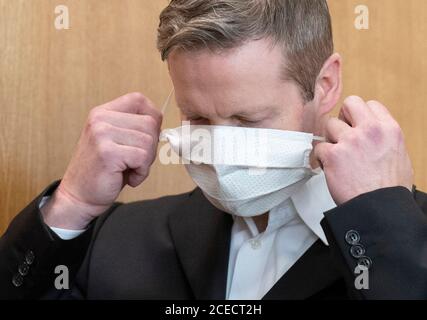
279 216
311 201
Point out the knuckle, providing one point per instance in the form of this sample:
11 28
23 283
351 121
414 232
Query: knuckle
373 103
373 128
378 106
138 159
148 140
105 151
100 130
137 97
158 115
351 100
140 140
95 116
353 139
143 156
151 123
137 125
330 154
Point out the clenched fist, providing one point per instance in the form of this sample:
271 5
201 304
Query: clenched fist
117 147
365 151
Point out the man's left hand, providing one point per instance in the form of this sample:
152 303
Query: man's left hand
365 151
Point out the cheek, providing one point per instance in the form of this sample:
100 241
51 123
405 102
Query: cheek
293 112
308 119
308 122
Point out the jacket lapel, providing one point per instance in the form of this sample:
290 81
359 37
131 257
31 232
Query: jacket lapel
201 234
312 273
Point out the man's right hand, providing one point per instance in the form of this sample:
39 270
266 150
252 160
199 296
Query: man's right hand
116 148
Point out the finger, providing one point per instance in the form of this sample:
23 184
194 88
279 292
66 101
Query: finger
135 103
322 151
343 118
336 129
134 178
135 159
380 111
126 137
137 164
141 123
355 111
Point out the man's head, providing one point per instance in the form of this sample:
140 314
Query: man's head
261 63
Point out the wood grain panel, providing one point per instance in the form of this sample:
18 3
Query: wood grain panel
50 79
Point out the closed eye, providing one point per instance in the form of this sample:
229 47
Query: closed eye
246 122
197 120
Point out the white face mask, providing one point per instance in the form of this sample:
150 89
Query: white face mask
244 171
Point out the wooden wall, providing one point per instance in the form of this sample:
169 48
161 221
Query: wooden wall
50 79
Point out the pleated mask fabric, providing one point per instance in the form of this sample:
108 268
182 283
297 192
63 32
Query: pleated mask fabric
244 171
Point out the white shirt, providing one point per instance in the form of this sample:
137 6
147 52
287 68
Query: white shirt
258 260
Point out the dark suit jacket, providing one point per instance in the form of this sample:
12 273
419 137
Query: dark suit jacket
177 248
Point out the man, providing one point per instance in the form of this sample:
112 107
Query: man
246 64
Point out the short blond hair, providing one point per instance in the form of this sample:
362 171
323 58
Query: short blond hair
301 27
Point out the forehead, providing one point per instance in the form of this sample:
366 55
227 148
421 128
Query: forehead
251 72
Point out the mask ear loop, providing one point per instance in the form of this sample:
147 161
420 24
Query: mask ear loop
321 139
167 102
165 107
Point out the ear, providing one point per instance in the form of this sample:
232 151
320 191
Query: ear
328 87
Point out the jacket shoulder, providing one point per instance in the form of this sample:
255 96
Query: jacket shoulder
153 212
421 199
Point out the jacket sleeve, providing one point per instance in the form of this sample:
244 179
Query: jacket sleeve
385 232
30 252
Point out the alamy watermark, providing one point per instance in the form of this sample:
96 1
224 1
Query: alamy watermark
62 17
361 282
210 145
362 17
62 280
